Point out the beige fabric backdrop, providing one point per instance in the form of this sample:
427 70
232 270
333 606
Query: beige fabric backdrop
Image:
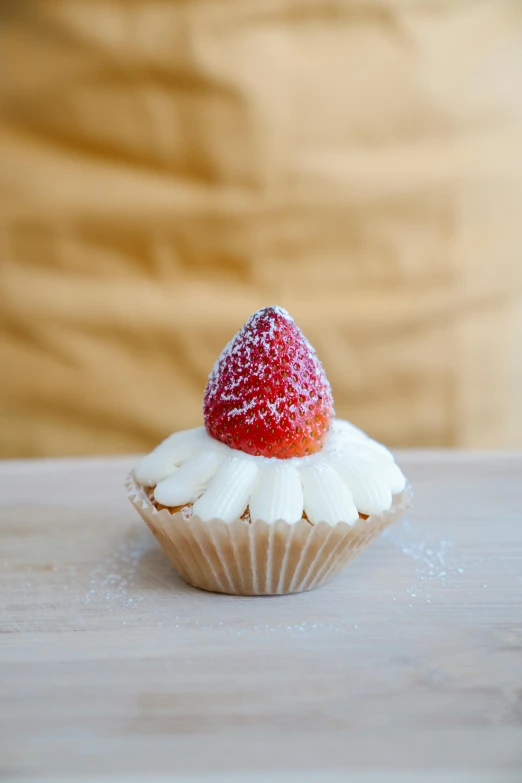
169 167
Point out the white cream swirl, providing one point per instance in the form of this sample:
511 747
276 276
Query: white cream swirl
351 474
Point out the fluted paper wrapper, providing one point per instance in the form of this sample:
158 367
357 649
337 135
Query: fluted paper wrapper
254 558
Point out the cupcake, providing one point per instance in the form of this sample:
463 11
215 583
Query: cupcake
273 494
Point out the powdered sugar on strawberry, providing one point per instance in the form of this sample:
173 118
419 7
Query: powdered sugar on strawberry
268 393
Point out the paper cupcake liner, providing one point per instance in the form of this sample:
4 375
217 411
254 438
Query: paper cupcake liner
243 558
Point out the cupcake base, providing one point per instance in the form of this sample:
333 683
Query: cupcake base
243 558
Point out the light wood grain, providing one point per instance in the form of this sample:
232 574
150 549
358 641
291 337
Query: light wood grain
111 668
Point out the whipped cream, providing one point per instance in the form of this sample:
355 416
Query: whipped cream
352 473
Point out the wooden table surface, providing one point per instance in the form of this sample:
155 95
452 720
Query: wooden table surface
112 669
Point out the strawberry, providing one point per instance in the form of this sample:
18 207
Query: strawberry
268 394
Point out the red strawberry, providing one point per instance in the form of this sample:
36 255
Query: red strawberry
268 393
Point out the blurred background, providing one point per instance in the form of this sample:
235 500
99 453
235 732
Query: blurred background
167 167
